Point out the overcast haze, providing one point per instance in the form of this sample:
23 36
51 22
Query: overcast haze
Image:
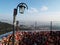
38 10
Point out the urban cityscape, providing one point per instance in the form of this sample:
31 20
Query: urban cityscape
30 22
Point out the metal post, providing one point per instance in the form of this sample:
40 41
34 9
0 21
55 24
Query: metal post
17 22
21 6
51 27
14 17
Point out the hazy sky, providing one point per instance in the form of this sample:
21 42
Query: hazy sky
38 10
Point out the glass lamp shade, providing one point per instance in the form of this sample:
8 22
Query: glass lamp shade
21 9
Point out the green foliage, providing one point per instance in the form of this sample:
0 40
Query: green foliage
5 27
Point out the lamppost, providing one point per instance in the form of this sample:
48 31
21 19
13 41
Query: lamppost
17 23
51 28
21 7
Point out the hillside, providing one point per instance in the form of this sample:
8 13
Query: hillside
5 27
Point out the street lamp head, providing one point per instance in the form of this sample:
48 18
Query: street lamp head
22 7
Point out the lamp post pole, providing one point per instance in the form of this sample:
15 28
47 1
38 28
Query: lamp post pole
51 28
17 28
14 17
21 7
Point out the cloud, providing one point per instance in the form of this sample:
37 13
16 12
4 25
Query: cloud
44 8
50 16
41 15
33 10
44 16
